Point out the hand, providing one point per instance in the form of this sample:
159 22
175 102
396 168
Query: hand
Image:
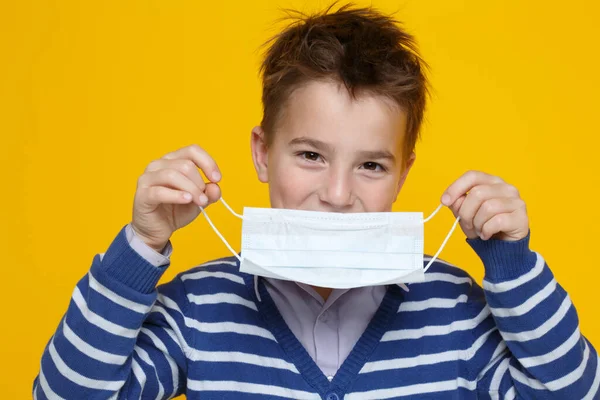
489 208
170 192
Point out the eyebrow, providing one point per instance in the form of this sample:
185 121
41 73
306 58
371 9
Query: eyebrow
317 144
378 155
324 147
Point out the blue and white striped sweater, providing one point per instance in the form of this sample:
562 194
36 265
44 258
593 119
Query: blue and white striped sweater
208 335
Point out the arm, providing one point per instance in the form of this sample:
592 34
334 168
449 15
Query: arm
116 340
545 356
532 347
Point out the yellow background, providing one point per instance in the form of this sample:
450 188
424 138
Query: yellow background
90 92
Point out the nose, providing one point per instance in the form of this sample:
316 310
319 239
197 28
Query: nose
337 191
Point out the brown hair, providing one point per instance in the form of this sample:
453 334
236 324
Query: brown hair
359 47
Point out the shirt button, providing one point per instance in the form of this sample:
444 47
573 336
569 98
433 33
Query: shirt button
330 378
324 316
332 396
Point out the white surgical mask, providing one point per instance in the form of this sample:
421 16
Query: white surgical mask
333 250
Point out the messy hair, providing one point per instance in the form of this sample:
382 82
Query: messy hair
361 48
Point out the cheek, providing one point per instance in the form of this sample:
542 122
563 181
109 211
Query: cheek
377 196
289 185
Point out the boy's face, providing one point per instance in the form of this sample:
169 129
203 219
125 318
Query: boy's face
334 153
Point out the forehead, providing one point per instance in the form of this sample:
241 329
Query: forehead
327 111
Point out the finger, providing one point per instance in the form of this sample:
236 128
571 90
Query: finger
156 195
493 207
213 192
186 167
469 232
499 223
465 183
476 197
455 207
201 158
174 179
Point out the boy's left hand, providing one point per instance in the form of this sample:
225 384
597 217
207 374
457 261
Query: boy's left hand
488 207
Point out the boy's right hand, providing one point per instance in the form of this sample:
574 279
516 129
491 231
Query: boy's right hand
170 192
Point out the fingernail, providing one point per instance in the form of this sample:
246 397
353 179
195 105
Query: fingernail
187 196
216 176
203 199
446 199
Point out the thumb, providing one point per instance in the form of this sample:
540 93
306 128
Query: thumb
213 192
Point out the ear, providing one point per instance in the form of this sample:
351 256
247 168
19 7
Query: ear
407 167
260 155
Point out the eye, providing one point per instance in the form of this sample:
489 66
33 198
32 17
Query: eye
373 166
310 155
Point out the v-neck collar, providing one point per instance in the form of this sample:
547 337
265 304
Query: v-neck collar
298 355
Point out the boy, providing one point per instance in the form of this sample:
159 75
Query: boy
343 97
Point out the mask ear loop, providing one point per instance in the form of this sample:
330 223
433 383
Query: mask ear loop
230 209
227 243
445 240
217 231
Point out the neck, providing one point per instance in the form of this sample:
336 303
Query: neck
323 292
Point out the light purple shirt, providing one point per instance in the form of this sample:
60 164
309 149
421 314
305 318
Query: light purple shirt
328 330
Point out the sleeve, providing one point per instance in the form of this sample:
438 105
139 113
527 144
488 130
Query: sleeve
148 253
116 340
532 347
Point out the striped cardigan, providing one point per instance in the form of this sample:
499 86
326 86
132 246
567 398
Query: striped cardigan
215 333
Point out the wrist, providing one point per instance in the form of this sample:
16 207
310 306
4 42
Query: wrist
159 247
504 260
124 264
